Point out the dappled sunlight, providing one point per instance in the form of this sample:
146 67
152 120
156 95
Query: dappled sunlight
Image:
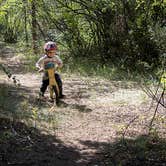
100 122
143 150
124 97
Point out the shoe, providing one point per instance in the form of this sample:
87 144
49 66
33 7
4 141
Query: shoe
51 100
41 94
42 97
62 96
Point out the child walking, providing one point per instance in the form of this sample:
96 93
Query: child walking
50 58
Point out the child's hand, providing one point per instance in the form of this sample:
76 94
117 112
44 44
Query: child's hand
40 70
60 65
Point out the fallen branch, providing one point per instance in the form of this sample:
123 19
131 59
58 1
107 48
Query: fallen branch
10 76
155 112
125 130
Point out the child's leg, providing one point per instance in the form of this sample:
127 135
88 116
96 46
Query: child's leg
59 82
43 87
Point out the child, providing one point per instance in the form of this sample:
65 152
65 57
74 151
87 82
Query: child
49 57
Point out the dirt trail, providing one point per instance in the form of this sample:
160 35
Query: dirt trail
94 114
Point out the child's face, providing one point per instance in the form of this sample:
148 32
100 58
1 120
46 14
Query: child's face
51 53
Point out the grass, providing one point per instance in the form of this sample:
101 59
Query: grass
25 108
93 68
83 66
143 150
88 67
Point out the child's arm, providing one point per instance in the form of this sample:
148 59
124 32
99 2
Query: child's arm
58 61
39 64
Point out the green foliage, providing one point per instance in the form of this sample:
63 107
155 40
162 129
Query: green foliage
10 20
93 68
123 33
146 150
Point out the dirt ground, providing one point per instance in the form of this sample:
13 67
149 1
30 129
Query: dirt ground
99 123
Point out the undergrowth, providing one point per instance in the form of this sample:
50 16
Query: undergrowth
88 66
18 106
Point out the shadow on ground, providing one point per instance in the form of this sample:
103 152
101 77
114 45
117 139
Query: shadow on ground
144 150
21 145
27 146
80 108
16 101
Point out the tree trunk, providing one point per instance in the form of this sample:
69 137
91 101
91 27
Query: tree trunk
34 27
25 20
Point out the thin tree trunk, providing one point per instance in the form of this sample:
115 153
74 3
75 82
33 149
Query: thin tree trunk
41 31
34 27
25 20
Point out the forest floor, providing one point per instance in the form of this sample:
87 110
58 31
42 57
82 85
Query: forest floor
99 123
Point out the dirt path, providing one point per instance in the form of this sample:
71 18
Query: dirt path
92 118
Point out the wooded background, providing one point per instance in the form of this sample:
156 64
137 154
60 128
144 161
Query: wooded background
114 110
127 33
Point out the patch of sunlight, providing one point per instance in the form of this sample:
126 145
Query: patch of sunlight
3 76
130 96
121 97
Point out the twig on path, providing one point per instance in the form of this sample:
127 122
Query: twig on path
153 95
155 112
149 92
125 130
10 76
